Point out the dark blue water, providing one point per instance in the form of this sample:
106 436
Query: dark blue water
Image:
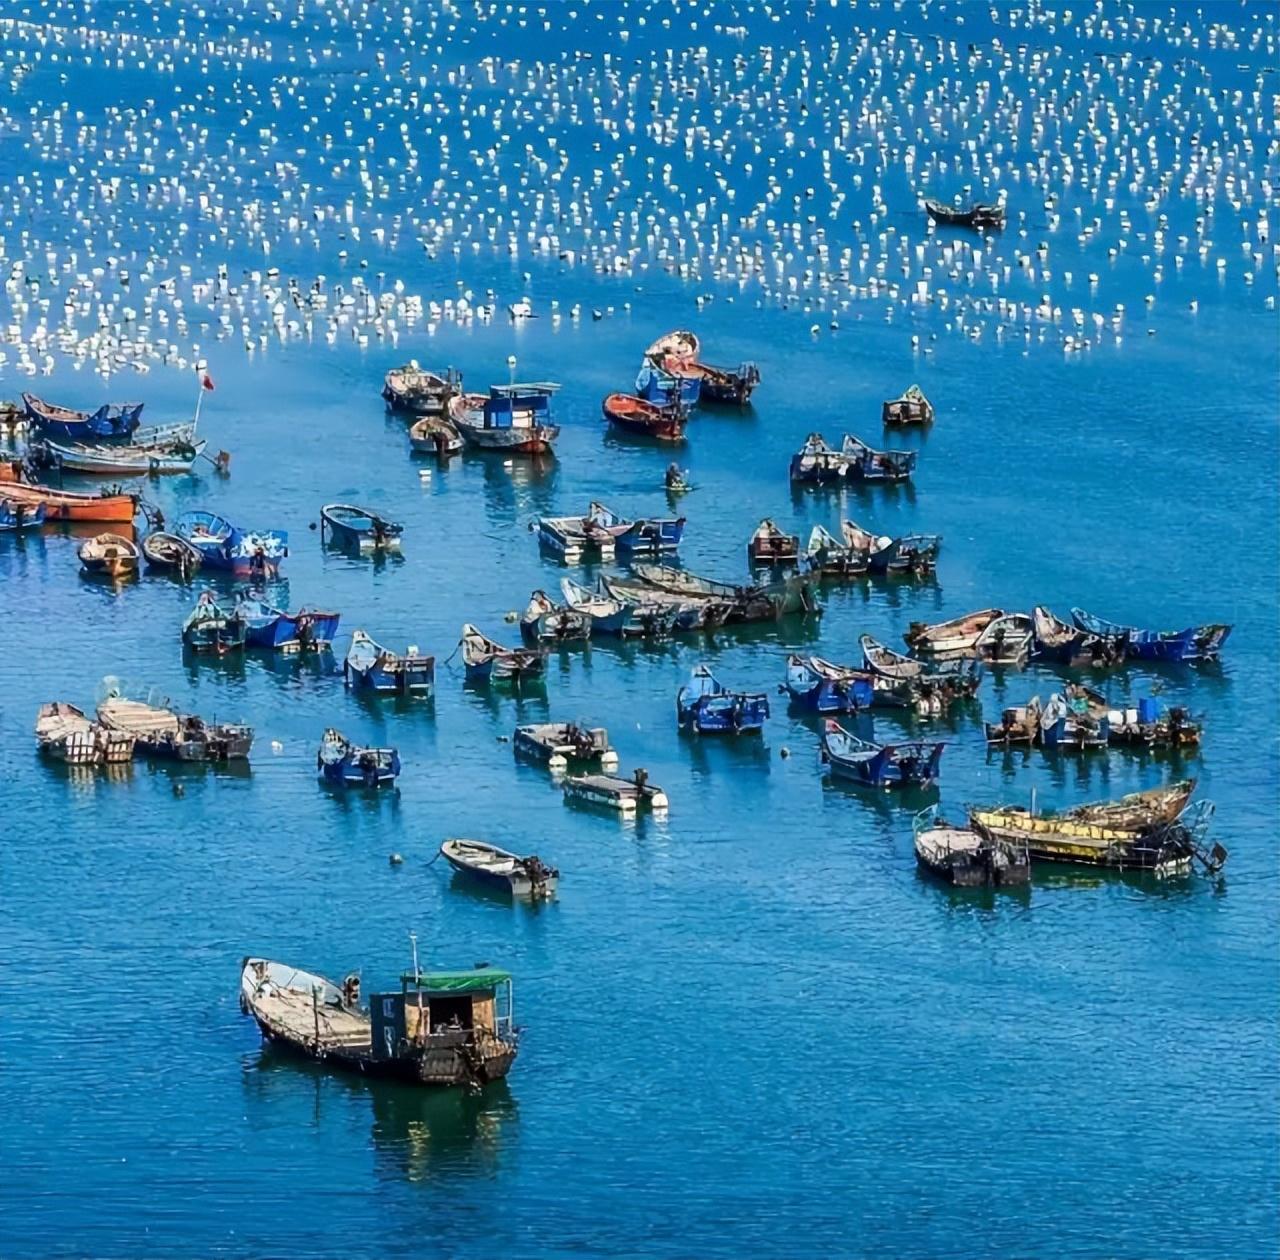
753 1025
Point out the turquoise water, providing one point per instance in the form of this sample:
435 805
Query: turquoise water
753 1025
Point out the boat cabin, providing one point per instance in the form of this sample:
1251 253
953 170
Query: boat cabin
519 406
447 1007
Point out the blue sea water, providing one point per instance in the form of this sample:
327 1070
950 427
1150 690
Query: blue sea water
750 1026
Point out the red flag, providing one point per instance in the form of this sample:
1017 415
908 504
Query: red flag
206 382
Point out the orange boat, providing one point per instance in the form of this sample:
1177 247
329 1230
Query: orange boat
62 505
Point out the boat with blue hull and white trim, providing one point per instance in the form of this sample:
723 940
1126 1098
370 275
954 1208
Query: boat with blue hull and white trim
372 667
909 765
16 516
659 385
824 687
227 548
308 629
646 536
348 765
611 614
1196 643
112 422
514 419
486 660
706 707
357 528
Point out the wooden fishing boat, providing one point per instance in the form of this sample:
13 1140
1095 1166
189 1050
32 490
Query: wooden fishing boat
965 858
1154 830
730 386
168 553
706 707
575 538
680 346
434 435
796 594
496 868
111 421
637 415
978 215
441 1028
912 554
828 556
211 628
668 386
64 733
1196 643
1055 640
489 661
414 391
688 612
350 765
307 630
910 765
610 614
645 536
1147 724
256 554
770 545
556 744
59 506
912 408
823 687
119 460
514 419
1005 641
865 463
957 637
816 462
358 528
611 791
162 732
955 679
16 516
370 666
1061 724
110 555
544 621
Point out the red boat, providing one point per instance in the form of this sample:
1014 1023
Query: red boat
635 415
61 505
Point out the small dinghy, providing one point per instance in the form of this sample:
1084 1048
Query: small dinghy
64 733
956 679
966 859
496 868
359 529
912 408
957 637
706 707
647 419
251 553
1006 641
439 1028
823 687
770 545
1197 643
909 765
349 765
646 536
914 554
865 463
160 731
211 628
307 630
434 435
488 661
576 538
816 462
979 215
639 617
371 666
1055 640
414 391
544 621
167 553
16 515
611 791
556 744
110 555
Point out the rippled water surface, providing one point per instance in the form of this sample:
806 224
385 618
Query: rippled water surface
752 1026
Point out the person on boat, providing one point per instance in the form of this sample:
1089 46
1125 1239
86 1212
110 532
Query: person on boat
675 477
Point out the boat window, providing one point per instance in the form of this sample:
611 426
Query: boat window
450 1012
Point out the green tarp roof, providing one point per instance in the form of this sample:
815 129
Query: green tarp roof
456 981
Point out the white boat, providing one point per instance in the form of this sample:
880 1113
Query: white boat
496 868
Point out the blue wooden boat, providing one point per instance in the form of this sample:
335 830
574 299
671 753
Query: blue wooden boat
1063 644
823 687
611 614
909 765
544 621
658 385
914 554
111 422
817 462
348 765
703 705
268 627
1196 643
865 463
349 526
370 666
514 419
574 538
16 516
212 628
488 661
226 547
644 536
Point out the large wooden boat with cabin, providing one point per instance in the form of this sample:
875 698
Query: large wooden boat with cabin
439 1027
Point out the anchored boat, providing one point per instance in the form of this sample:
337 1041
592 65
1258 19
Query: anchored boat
545 621
953 679
488 661
414 391
611 791
16 515
111 421
647 419
706 707
351 765
1053 639
556 744
496 868
1005 641
157 460
64 733
358 528
211 628
818 462
966 858
160 731
770 545
168 553
912 408
865 463
822 687
1197 643
434 435
609 614
307 630
369 665
515 419
909 765
256 554
978 215
109 555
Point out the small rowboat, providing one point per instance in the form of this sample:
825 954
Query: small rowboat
650 535
910 765
770 545
496 868
211 628
371 666
558 743
957 637
914 554
1056 640
413 391
308 629
547 622
61 505
706 707
978 215
960 856
348 765
638 415
359 529
956 679
865 463
488 661
611 791
434 435
109 555
16 516
644 616
121 460
167 553
1006 641
825 687
818 463
65 734
912 408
